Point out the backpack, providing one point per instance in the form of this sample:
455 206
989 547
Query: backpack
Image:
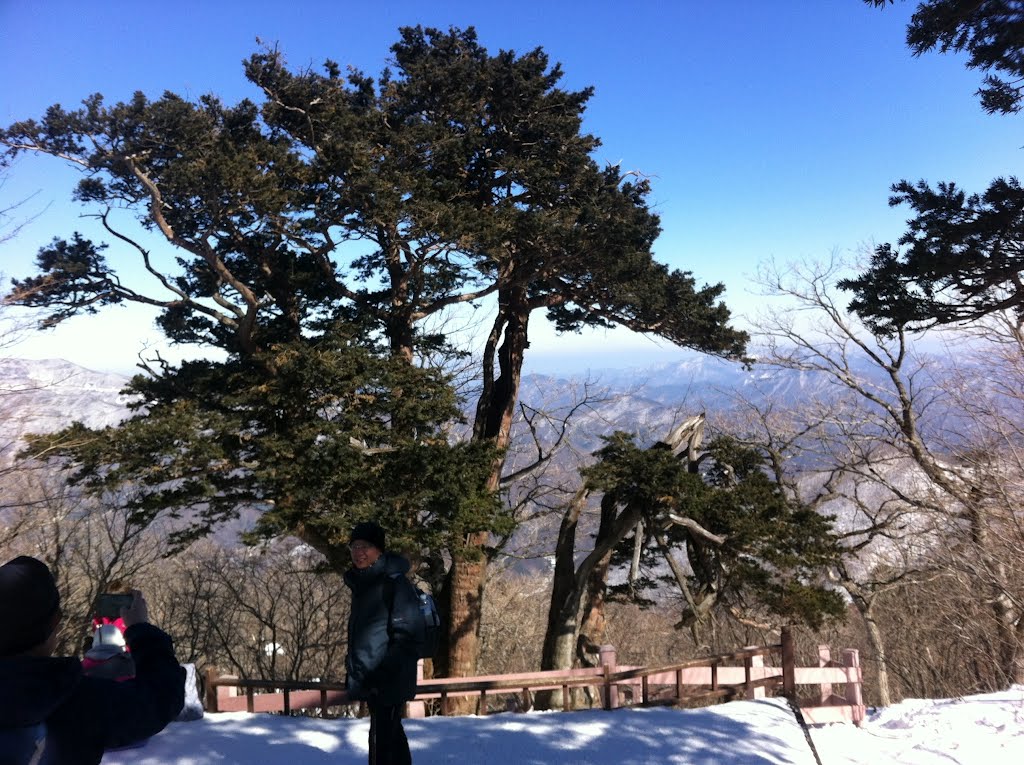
426 627
23 746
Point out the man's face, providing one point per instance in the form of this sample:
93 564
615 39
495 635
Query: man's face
363 553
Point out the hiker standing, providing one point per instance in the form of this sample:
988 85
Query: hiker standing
50 712
382 657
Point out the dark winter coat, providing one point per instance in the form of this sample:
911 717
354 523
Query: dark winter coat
381 661
85 715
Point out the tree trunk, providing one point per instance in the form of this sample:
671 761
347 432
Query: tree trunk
996 581
1016 663
465 597
593 622
570 580
560 634
1011 657
877 641
563 609
493 422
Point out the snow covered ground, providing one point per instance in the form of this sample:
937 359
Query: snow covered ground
979 730
975 730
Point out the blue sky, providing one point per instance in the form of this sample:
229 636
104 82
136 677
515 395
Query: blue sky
770 130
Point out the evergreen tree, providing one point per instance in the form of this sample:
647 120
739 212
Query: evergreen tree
961 256
746 548
989 31
328 226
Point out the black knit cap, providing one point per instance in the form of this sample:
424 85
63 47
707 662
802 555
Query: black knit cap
28 601
369 531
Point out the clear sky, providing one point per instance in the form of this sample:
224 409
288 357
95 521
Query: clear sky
770 129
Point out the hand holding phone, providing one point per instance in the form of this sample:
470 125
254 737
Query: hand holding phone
137 612
109 604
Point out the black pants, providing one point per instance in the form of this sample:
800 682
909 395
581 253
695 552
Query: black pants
388 744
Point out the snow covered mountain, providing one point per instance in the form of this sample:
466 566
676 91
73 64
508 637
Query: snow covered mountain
44 396
651 400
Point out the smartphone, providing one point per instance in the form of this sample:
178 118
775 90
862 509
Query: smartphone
109 604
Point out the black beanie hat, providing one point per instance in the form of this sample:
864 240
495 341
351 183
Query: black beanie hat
28 601
369 531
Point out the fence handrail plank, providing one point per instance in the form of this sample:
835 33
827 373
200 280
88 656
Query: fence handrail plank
457 685
230 681
816 675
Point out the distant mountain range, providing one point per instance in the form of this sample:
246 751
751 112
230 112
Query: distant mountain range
43 396
650 400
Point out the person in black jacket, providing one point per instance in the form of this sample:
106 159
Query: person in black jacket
50 713
381 660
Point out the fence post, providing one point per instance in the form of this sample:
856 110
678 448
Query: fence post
754 662
748 692
210 688
854 692
824 660
788 664
608 661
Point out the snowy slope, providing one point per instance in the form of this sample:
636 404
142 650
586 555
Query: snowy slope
976 730
980 730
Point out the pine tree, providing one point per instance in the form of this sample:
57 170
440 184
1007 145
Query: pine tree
345 213
961 256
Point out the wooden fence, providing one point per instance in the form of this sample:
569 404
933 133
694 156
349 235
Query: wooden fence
609 685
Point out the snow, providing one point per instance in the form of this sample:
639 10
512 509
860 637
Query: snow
977 730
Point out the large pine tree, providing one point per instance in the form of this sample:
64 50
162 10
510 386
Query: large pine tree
314 241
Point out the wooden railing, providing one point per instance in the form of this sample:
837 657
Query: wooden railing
646 685
709 677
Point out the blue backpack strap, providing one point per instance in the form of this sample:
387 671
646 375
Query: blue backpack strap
390 586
